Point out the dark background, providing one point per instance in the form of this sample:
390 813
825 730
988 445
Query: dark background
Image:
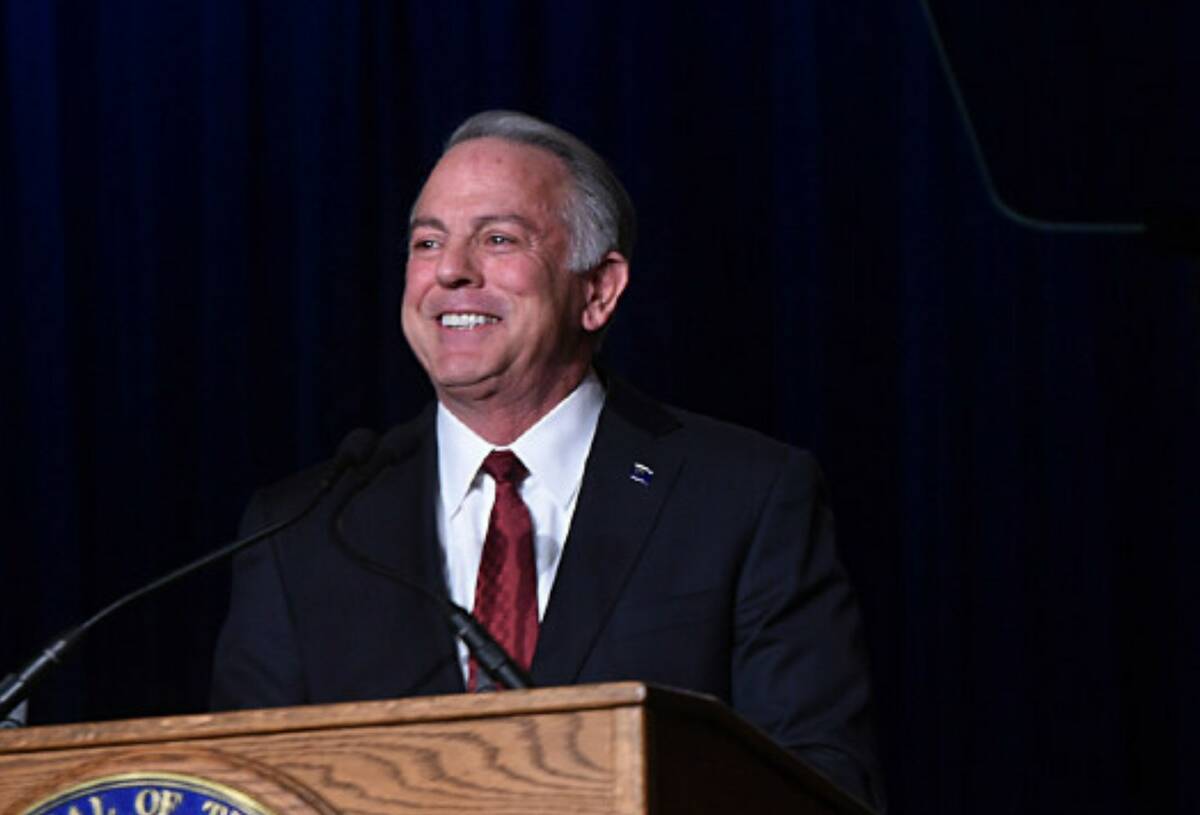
202 207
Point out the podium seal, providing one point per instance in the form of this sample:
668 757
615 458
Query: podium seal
148 793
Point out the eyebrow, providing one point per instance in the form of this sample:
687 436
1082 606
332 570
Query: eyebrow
520 220
432 223
476 224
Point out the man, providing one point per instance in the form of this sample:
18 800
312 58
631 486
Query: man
616 539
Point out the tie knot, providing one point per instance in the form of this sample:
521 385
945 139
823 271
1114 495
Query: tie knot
505 467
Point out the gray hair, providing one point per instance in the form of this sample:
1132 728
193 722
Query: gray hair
599 214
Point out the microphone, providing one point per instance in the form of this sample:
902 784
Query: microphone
15 687
496 662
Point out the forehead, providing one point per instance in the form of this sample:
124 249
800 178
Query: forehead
490 173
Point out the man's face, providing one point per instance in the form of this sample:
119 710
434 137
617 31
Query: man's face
490 308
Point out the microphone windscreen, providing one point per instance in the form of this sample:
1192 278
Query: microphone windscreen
395 445
356 448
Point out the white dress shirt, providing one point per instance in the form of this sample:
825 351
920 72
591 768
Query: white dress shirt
554 451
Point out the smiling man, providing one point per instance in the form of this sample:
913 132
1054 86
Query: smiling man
497 310
599 534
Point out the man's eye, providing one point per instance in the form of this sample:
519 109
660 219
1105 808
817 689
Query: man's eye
425 243
499 240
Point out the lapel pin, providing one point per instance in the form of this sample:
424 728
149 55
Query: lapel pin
641 474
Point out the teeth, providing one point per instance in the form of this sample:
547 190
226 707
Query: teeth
466 320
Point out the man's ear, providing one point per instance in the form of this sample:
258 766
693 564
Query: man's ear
603 289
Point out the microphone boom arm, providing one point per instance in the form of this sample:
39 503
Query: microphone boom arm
15 687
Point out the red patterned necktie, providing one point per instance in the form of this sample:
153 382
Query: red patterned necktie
506 587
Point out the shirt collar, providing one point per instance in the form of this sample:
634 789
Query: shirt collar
554 450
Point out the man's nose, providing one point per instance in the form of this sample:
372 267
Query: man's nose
456 267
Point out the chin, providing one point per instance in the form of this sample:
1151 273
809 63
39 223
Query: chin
460 380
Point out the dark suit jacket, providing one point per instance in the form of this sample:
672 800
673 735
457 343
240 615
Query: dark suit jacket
719 575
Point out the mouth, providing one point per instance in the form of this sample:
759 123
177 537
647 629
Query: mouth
465 321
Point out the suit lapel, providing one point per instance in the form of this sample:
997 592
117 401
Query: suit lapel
614 516
392 523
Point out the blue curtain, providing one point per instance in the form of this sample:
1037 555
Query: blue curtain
203 210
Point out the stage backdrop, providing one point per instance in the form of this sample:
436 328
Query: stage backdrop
202 217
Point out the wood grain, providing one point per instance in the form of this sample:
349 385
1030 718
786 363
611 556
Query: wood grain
316 717
621 748
517 752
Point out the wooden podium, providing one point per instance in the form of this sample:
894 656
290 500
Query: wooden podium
616 748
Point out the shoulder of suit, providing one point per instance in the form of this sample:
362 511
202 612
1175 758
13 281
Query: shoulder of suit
702 435
281 496
734 443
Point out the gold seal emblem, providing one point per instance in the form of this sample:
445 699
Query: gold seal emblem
149 793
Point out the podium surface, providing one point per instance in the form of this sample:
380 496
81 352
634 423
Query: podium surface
624 748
